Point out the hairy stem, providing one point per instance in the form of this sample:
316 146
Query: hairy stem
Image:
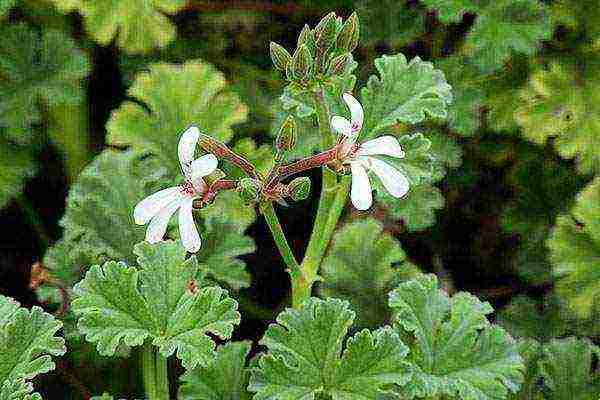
154 371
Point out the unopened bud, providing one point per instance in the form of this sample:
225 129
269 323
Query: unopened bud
249 190
326 31
299 188
307 37
302 64
286 138
280 56
347 40
339 64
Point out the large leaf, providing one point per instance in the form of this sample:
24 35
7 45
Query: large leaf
403 92
443 328
175 97
224 379
563 103
567 368
121 304
36 68
139 25
305 359
575 251
362 272
16 165
28 340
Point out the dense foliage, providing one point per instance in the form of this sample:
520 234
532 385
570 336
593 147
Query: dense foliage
461 260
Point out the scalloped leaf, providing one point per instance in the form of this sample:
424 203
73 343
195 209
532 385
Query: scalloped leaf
364 272
574 246
442 328
305 358
173 97
224 379
559 103
120 304
27 340
403 92
139 25
568 371
36 67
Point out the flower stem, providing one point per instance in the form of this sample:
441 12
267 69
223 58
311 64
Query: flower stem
284 248
154 371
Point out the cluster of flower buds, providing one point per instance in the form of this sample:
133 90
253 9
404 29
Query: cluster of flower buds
321 52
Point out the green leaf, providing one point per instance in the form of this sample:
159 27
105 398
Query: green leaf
36 68
575 252
531 352
121 304
364 272
417 210
567 369
139 25
563 104
443 328
17 389
394 23
507 26
524 318
5 6
305 358
175 97
453 10
28 340
228 207
224 379
582 16
404 92
16 165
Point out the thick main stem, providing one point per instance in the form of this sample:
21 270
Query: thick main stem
154 371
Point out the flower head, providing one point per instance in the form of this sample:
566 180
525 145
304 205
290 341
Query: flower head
362 157
159 207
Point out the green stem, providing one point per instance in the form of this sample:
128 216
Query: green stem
154 371
284 248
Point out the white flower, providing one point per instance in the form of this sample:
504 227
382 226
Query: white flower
361 157
159 207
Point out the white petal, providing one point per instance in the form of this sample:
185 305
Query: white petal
393 180
341 125
158 226
384 145
356 111
360 194
190 238
151 205
187 146
203 166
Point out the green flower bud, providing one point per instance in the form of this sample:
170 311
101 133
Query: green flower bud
280 56
249 190
307 37
286 138
326 32
302 64
339 64
299 188
347 40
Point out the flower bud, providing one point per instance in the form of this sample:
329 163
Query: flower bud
280 56
286 138
302 64
325 32
307 37
249 190
347 40
339 64
299 188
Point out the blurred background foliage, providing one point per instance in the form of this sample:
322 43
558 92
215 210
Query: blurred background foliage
511 212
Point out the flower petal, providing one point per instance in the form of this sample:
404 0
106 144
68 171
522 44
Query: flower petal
158 226
203 166
393 180
341 125
190 238
384 145
187 147
360 194
151 205
356 111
